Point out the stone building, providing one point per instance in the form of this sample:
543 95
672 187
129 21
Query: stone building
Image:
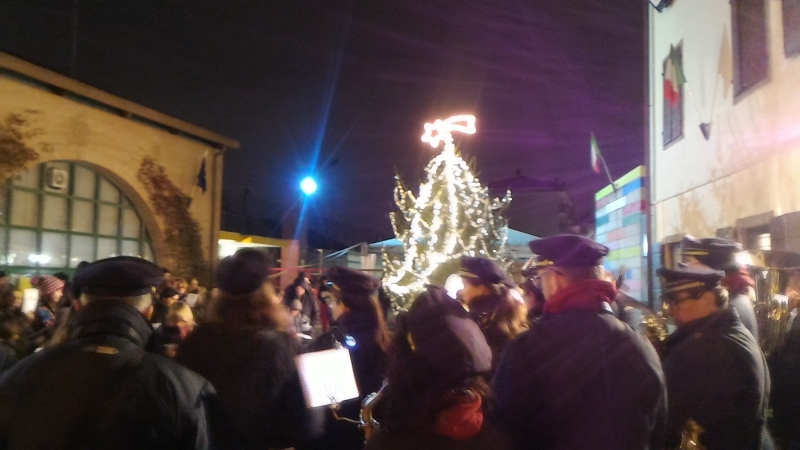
88 175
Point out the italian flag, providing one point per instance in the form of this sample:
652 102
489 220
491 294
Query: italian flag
673 78
597 157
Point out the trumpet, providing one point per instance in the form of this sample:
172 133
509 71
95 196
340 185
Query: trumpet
690 436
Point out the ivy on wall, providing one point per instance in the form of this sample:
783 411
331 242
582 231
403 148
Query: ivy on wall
16 154
181 232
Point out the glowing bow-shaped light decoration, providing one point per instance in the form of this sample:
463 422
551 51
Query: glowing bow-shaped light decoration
441 130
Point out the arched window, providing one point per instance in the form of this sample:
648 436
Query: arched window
57 214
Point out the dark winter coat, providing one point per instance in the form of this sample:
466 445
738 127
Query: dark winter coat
257 381
581 379
102 390
717 375
784 366
743 305
489 438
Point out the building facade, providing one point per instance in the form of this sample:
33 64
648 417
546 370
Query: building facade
87 175
621 225
724 125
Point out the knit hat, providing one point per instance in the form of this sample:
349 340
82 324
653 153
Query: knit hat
48 284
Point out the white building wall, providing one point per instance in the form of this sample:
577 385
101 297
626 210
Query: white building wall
751 163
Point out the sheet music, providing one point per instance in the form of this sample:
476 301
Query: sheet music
327 377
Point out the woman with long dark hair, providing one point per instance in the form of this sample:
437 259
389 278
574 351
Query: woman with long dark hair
244 351
488 298
359 326
437 392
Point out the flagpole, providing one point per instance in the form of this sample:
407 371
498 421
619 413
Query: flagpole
608 174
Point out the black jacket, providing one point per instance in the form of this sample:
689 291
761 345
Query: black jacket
255 375
102 390
717 375
747 313
784 366
488 439
581 379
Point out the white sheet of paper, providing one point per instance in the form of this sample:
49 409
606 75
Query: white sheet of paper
327 377
191 299
30 298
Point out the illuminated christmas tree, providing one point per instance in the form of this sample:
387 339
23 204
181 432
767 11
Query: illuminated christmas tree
452 216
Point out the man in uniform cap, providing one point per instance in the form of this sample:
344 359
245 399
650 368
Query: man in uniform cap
581 378
716 374
101 389
720 254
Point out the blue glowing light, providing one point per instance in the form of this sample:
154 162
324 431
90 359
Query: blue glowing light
350 341
308 185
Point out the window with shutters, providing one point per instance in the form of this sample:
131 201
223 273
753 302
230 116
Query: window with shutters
750 55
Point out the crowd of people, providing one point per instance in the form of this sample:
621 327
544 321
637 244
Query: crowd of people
125 356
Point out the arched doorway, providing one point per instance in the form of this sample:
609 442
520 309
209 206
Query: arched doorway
59 213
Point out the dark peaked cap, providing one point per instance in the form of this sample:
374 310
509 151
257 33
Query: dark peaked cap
122 276
352 281
567 250
483 271
442 334
689 278
717 253
244 272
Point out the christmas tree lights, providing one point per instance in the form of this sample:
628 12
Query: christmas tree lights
452 216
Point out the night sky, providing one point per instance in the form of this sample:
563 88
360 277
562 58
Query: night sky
341 89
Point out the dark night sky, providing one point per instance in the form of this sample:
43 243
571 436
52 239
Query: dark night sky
354 82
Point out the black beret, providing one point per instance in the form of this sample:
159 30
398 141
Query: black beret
442 334
717 253
352 281
689 278
243 272
483 271
567 250
122 276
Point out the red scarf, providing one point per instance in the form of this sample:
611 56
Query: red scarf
463 420
587 294
738 282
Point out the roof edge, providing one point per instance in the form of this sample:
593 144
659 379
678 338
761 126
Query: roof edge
57 80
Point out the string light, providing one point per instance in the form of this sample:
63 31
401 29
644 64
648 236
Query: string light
452 216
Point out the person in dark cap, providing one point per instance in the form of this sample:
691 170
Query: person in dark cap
716 374
580 378
309 314
437 393
101 389
720 254
487 297
358 326
166 298
245 352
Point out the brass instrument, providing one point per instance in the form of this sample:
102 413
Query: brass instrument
369 425
690 436
772 306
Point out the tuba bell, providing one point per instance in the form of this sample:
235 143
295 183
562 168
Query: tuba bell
772 270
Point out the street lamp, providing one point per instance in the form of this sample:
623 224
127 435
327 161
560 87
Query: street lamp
308 185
